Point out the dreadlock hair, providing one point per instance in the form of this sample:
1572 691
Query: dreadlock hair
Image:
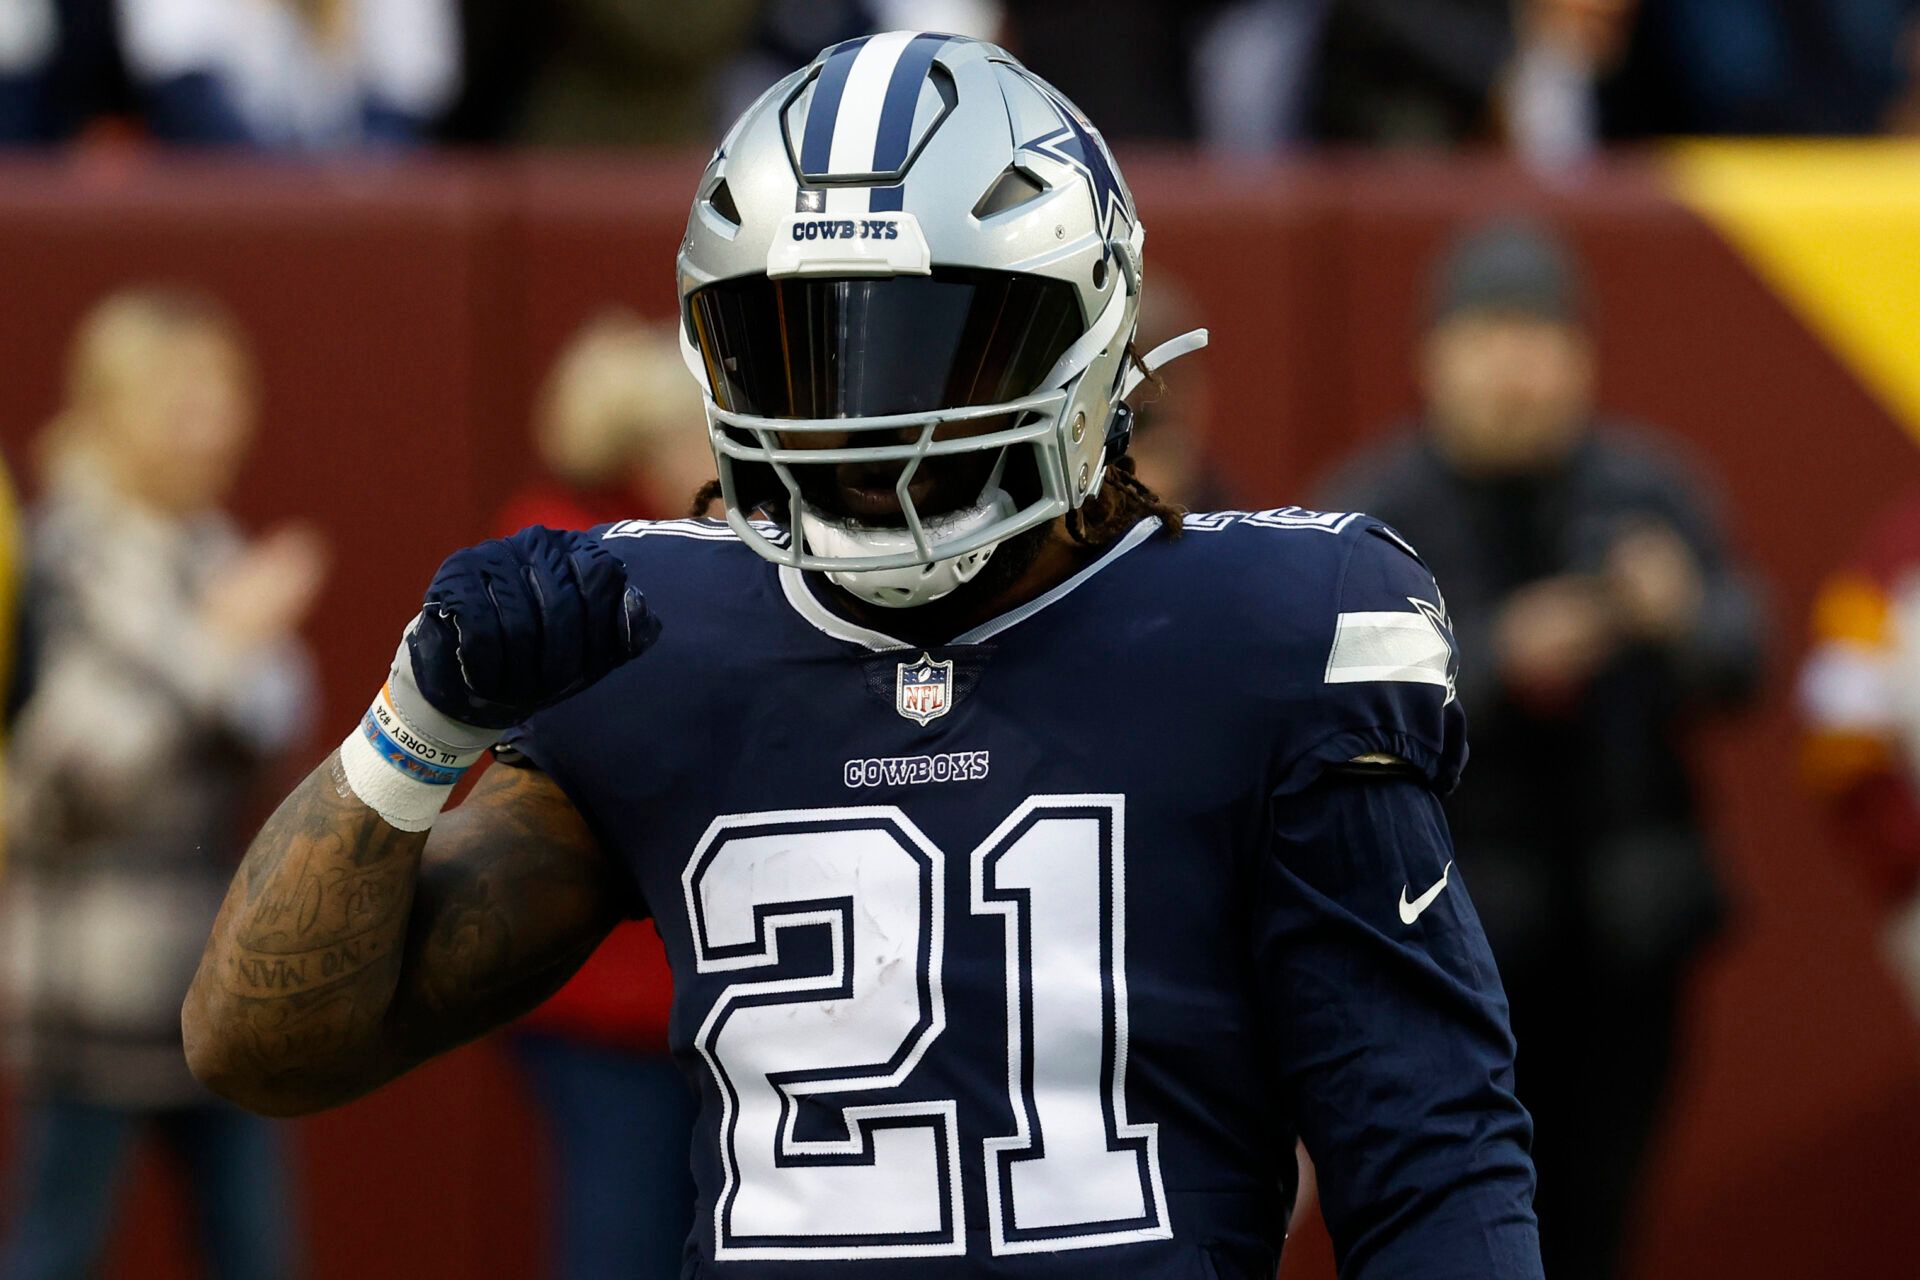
703 499
1124 499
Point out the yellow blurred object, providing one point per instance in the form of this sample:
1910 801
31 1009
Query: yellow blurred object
1851 609
1834 226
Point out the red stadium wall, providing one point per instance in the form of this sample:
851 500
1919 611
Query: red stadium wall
403 318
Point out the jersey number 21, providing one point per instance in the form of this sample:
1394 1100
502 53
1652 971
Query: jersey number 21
804 1178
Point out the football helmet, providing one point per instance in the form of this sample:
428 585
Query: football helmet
908 288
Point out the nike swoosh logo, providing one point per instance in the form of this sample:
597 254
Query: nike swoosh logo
1411 911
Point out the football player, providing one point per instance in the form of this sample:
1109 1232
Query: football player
1035 864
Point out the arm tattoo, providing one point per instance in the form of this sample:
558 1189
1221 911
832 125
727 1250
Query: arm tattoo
482 947
348 951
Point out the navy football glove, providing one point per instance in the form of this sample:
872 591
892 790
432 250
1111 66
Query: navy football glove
517 624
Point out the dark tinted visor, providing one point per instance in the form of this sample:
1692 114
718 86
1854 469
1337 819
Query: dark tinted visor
798 348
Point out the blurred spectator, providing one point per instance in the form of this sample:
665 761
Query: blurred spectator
305 74
1549 97
295 75
169 672
1599 613
29 36
1125 63
790 32
1903 111
622 433
1769 67
786 36
1438 72
502 43
1860 695
1747 67
981 19
66 69
613 73
1253 68
619 429
1410 72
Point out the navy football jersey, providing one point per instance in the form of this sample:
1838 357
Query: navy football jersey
1032 953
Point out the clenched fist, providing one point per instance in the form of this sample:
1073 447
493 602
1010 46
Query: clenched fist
514 625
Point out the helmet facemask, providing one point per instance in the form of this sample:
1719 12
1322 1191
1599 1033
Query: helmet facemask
945 359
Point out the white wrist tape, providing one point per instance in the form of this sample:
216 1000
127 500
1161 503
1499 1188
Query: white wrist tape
400 768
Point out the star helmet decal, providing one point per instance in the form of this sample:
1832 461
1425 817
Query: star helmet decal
1078 144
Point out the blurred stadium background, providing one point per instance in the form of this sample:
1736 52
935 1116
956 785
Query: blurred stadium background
1760 299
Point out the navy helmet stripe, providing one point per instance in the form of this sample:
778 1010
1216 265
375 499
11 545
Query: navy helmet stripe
888 199
817 147
902 101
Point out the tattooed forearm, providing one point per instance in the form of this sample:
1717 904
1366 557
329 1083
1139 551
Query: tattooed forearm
306 952
487 941
348 951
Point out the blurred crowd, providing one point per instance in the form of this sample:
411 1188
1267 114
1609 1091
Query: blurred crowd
1550 79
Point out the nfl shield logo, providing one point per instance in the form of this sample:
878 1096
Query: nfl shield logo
923 690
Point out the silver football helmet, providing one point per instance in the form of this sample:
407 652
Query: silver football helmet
908 288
